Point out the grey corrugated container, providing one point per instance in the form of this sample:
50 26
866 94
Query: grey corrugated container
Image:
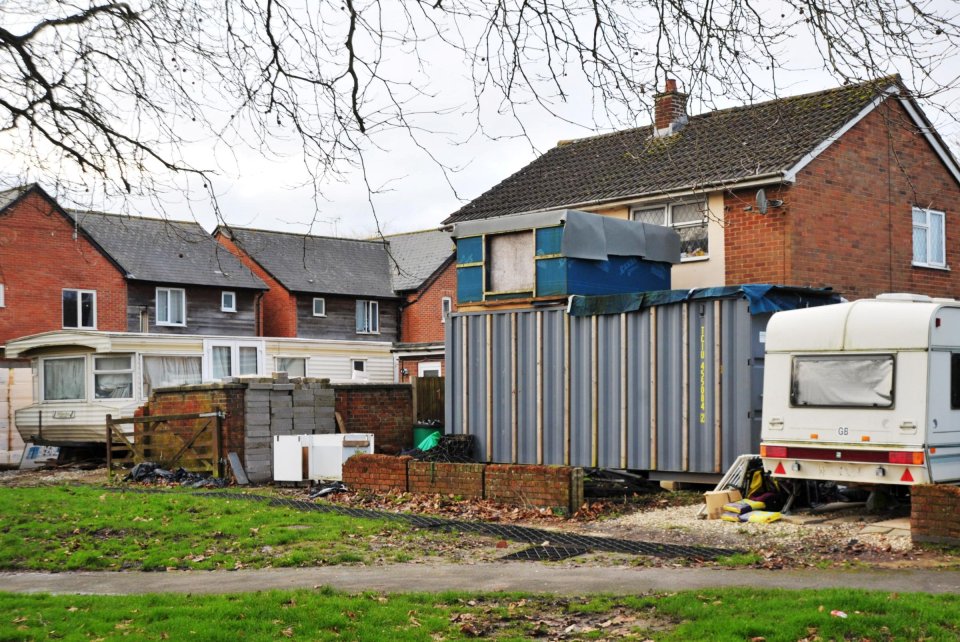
671 388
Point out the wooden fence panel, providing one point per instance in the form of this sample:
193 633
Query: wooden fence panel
428 398
189 441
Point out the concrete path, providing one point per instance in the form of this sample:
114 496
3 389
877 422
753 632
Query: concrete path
528 577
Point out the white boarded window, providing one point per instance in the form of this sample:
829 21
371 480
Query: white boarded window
929 238
510 263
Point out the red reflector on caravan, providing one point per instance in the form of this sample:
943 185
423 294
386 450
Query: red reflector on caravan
907 458
779 470
906 477
773 451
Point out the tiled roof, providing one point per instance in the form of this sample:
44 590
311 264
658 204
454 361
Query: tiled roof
318 264
416 256
714 148
152 249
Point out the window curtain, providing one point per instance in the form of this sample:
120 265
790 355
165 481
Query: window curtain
176 306
63 379
222 363
361 316
248 360
169 371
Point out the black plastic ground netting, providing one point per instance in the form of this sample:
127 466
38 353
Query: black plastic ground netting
544 554
509 532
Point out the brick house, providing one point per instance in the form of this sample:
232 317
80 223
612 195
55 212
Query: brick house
422 271
48 263
850 188
320 287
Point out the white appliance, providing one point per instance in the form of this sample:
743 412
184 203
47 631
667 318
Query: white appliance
315 457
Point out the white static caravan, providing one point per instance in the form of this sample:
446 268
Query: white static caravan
865 392
79 377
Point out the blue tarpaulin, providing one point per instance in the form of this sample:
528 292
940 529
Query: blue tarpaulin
761 298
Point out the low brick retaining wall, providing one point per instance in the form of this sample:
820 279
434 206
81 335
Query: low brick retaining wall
935 514
558 488
386 410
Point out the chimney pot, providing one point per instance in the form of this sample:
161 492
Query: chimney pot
671 85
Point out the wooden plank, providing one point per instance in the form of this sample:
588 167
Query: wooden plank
238 473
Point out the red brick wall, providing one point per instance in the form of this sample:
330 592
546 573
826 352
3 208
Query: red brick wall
431 478
386 410
278 307
420 320
935 514
377 473
38 258
847 220
204 398
544 486
556 487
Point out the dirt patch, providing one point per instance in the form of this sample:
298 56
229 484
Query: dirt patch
53 477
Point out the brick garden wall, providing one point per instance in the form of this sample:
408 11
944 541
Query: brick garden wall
935 514
386 410
555 487
429 478
376 473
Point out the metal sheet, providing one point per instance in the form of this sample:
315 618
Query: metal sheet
608 390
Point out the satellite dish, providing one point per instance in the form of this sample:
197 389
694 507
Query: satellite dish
762 203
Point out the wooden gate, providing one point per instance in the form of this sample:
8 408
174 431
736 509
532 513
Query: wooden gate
189 441
428 398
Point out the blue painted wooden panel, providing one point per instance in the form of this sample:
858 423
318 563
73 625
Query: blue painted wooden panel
470 284
552 277
548 240
470 250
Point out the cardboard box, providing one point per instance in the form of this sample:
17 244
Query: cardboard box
717 498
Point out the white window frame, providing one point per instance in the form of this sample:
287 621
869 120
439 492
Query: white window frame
223 303
926 226
429 365
323 306
80 294
667 209
3 299
95 372
446 307
169 291
207 362
276 364
86 379
373 314
364 374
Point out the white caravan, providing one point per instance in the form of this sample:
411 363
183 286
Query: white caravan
866 392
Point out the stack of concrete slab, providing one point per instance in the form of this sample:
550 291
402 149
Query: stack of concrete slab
281 406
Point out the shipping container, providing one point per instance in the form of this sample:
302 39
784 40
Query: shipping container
668 382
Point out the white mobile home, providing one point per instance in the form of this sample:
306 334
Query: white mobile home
79 377
864 392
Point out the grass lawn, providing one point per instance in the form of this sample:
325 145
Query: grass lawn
327 615
81 527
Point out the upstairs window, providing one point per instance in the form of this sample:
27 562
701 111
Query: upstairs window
319 307
929 238
368 317
228 301
3 302
171 306
446 305
689 220
80 309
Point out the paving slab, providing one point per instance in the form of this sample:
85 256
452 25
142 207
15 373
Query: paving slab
530 577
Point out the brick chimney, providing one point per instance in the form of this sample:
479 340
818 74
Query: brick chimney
670 107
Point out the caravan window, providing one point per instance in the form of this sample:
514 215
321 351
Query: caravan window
160 371
852 381
113 377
